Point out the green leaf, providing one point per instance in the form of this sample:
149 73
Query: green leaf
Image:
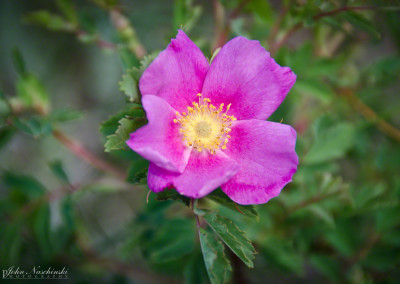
328 266
282 255
174 239
58 170
50 21
18 60
315 89
35 126
361 22
128 59
64 115
6 133
137 172
107 4
171 194
130 81
195 271
5 109
32 93
68 9
232 236
321 213
331 143
344 239
366 196
220 197
129 85
262 9
25 185
217 265
11 243
215 54
111 125
118 140
186 14
41 228
387 219
67 212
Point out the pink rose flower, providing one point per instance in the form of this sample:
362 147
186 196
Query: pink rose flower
207 123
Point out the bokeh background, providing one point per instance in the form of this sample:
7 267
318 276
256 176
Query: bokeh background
64 201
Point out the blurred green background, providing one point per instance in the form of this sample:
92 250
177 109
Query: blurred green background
65 202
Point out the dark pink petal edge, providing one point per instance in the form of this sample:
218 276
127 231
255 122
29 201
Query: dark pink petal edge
266 154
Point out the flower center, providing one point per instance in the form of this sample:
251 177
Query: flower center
205 126
203 129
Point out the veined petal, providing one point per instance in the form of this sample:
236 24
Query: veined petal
203 173
244 74
177 74
159 141
266 154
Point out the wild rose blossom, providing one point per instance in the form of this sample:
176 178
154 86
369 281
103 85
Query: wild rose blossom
207 123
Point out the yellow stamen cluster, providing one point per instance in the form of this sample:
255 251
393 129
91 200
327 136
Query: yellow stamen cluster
205 126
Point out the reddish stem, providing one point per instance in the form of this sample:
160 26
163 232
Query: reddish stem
80 151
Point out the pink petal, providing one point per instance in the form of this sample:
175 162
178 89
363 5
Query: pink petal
203 173
244 74
266 154
177 74
159 141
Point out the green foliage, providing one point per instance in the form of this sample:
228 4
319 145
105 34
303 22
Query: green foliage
261 9
111 125
18 61
130 81
64 115
170 194
58 170
6 133
22 185
68 9
50 21
186 15
218 266
282 255
361 22
137 172
331 142
220 197
337 222
32 93
117 128
232 236
35 125
118 140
